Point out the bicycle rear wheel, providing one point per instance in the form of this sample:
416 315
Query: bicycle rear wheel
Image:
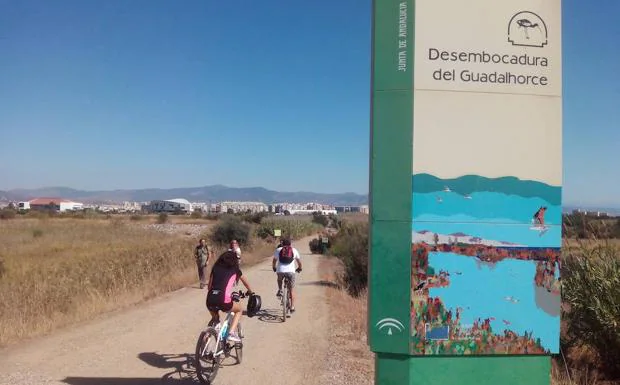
205 362
284 299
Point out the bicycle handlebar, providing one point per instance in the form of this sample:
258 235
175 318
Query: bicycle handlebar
240 294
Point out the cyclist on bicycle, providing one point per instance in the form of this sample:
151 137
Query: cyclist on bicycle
224 275
284 263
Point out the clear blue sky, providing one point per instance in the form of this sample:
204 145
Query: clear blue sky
133 94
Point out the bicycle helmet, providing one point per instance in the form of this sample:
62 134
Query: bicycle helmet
254 304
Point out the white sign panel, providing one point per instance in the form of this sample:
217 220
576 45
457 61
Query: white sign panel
504 46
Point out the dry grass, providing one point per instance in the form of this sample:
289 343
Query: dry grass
571 243
354 217
350 361
559 376
295 226
174 219
58 271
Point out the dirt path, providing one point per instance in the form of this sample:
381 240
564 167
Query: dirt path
153 343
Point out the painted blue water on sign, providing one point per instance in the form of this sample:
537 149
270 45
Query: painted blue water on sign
482 291
512 208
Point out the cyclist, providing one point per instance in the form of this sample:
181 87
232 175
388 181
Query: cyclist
539 216
284 263
224 275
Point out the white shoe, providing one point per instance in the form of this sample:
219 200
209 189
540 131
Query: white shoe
232 336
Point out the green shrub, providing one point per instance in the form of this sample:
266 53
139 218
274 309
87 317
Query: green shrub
350 245
136 217
591 289
335 221
315 246
229 228
8 213
292 227
37 233
582 226
263 232
256 218
212 216
197 214
162 218
320 219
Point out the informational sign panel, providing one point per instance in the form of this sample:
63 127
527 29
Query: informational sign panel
466 175
487 171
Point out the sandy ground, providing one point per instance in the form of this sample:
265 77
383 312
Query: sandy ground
153 343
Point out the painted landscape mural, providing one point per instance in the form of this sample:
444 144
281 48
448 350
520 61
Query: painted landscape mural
485 266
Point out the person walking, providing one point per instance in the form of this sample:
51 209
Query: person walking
234 246
202 253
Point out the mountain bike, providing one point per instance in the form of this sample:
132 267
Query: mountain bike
209 358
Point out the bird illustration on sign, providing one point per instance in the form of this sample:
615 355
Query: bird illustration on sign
527 29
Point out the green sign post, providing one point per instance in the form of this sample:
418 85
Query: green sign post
465 191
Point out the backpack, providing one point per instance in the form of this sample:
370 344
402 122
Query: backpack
254 305
286 255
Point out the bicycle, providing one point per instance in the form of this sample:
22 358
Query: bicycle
218 334
286 297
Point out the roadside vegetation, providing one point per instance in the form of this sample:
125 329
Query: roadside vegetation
58 269
590 333
583 226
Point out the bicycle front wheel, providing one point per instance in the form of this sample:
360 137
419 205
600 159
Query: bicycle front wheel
239 345
205 360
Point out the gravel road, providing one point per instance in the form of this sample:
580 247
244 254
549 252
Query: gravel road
153 343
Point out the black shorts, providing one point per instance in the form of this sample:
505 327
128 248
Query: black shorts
215 301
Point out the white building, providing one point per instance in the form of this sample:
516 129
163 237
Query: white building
310 212
56 204
241 207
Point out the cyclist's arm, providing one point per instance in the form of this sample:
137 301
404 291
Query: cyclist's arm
298 259
274 260
245 283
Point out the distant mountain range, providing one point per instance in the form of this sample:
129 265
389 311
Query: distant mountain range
216 193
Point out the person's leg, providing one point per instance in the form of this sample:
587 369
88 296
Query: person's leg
233 335
213 305
279 284
201 275
291 280
215 317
